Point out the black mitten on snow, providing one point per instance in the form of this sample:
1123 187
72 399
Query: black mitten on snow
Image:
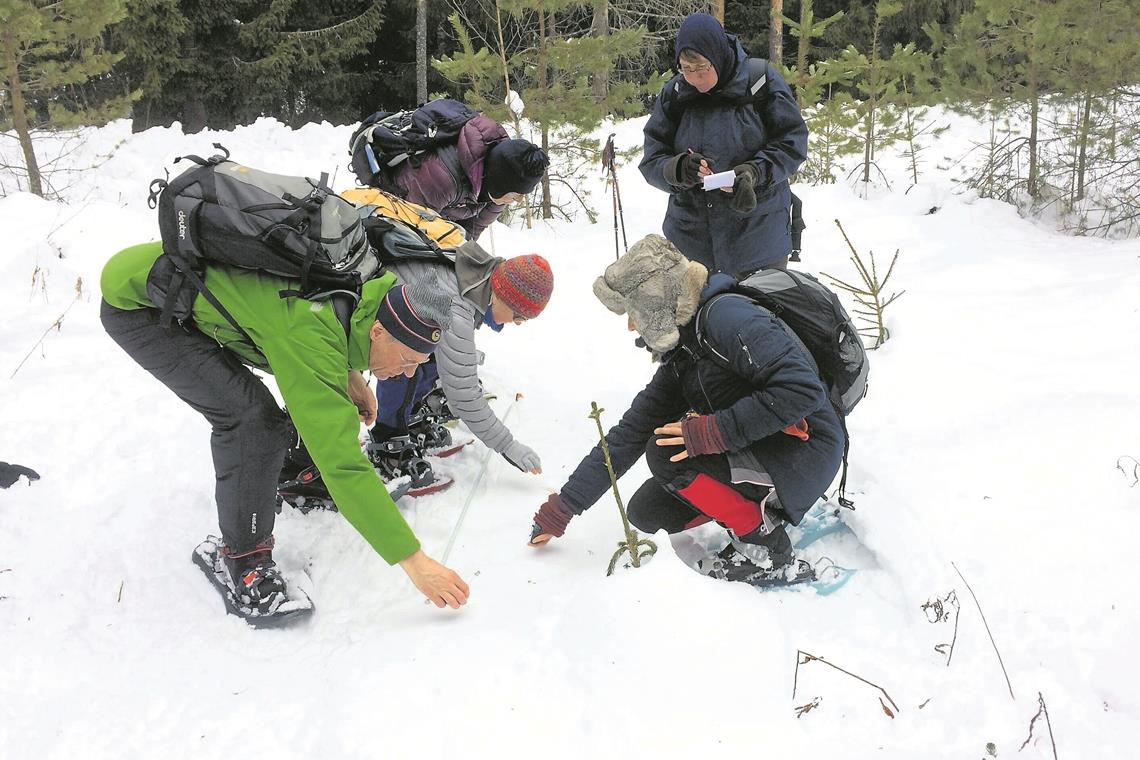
684 170
10 473
744 189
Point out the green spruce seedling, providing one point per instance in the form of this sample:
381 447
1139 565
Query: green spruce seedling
632 543
869 296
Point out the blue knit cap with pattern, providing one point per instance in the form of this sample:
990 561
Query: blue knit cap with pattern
703 34
413 321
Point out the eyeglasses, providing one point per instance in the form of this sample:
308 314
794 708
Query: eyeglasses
702 68
405 362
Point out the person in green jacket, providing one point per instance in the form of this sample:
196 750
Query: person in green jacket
318 368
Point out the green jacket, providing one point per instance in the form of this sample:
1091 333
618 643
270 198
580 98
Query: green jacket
304 347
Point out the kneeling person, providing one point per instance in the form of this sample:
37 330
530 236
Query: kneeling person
750 440
317 366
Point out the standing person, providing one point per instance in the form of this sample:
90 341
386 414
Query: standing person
317 366
469 181
715 117
751 447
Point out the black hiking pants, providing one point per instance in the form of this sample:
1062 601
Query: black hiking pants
250 431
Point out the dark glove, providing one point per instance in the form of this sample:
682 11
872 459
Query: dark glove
10 473
702 435
683 170
744 188
551 518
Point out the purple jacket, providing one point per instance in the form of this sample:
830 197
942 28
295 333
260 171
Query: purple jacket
449 179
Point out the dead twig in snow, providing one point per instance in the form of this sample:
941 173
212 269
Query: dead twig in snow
803 710
987 625
1041 710
1135 469
813 658
56 325
938 611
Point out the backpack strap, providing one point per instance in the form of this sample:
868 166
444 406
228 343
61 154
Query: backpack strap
757 69
716 356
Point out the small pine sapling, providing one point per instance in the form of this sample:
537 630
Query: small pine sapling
869 295
632 542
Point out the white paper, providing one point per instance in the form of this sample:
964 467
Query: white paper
719 180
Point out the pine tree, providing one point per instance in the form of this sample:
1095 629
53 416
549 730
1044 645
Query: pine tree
48 48
223 62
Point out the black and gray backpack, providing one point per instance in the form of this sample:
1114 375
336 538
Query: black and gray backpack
221 212
386 139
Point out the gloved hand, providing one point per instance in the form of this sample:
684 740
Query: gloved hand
702 435
10 473
744 188
550 521
523 457
684 170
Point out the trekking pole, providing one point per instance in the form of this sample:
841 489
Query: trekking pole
608 154
474 488
632 541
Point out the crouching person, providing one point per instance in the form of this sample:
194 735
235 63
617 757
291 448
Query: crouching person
736 428
317 366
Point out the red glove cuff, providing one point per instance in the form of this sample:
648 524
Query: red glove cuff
702 435
553 516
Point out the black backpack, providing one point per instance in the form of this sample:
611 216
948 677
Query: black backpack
222 212
386 139
816 321
672 104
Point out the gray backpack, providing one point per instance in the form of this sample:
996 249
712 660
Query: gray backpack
221 212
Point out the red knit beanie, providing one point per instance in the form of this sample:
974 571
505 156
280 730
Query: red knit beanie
524 284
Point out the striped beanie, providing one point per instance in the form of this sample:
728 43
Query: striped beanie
415 315
524 284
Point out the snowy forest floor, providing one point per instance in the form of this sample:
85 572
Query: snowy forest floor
990 440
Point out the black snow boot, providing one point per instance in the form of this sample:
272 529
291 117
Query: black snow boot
254 578
398 456
250 582
760 559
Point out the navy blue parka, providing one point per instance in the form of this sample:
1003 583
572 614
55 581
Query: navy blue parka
771 386
725 127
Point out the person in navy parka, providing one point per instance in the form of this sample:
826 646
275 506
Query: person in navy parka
751 447
707 120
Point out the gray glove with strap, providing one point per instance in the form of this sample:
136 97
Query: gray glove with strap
522 456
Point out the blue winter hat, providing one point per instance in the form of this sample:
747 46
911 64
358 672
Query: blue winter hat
703 34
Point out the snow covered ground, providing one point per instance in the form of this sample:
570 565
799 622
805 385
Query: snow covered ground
990 439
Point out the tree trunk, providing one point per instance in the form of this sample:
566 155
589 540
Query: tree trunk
1034 107
776 36
194 114
544 89
1082 156
718 10
421 51
19 113
601 28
